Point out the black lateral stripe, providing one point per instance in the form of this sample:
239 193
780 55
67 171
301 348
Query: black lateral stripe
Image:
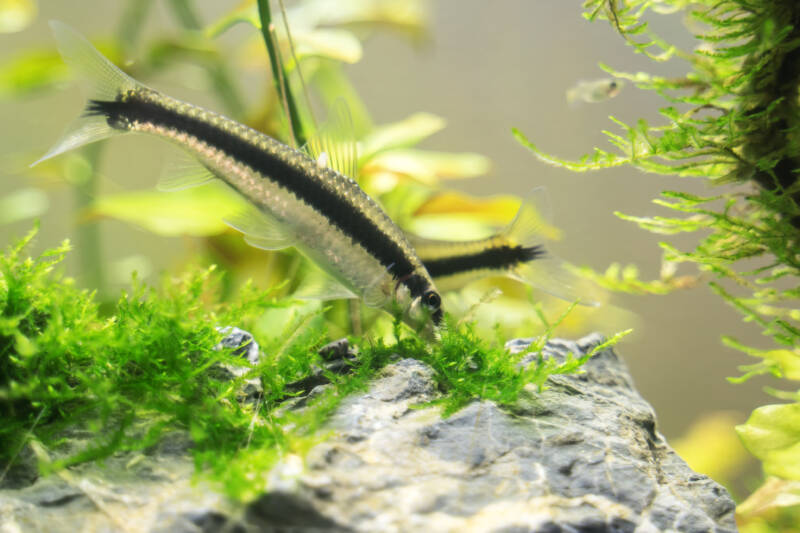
495 258
342 214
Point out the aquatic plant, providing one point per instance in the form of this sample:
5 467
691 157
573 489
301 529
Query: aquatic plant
732 121
144 366
150 368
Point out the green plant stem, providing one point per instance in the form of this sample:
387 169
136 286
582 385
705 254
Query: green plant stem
88 239
218 73
280 78
131 23
184 12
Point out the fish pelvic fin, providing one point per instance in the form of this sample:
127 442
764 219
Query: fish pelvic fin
107 83
540 268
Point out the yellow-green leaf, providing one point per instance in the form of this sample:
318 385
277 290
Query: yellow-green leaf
198 211
426 166
494 211
711 447
22 204
16 15
403 134
787 360
340 45
31 71
772 433
774 493
246 12
408 15
34 70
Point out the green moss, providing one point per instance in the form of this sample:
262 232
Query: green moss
732 119
150 368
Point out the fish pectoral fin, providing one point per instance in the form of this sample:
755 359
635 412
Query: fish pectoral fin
184 173
375 297
375 293
260 229
334 143
317 285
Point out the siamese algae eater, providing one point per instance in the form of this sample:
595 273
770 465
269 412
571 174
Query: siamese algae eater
296 200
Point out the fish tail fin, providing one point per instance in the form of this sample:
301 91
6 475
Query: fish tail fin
572 96
530 230
107 81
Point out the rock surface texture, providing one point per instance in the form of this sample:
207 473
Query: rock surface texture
582 456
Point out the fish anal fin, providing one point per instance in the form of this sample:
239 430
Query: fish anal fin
317 285
184 173
260 229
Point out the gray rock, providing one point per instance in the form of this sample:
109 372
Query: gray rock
582 456
246 347
243 342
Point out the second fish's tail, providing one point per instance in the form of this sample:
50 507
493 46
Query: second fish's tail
520 251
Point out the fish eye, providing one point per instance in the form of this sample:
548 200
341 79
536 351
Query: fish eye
613 84
431 299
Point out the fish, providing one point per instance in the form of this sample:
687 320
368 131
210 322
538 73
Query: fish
594 91
294 199
519 251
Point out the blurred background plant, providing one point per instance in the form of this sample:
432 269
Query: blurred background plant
407 180
733 120
214 55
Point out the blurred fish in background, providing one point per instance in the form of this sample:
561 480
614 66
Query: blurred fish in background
594 91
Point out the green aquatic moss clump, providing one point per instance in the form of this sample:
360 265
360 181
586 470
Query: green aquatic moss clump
733 121
151 368
64 365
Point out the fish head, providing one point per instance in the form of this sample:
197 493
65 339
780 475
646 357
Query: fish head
420 303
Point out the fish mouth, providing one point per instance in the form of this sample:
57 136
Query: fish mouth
424 320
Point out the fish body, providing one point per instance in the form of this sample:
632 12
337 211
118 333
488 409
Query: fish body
296 201
454 264
519 252
594 91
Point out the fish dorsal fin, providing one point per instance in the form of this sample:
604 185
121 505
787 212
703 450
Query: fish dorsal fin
334 143
318 285
532 218
184 172
260 229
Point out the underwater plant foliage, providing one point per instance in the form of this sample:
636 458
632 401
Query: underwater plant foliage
149 368
130 370
410 183
733 120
